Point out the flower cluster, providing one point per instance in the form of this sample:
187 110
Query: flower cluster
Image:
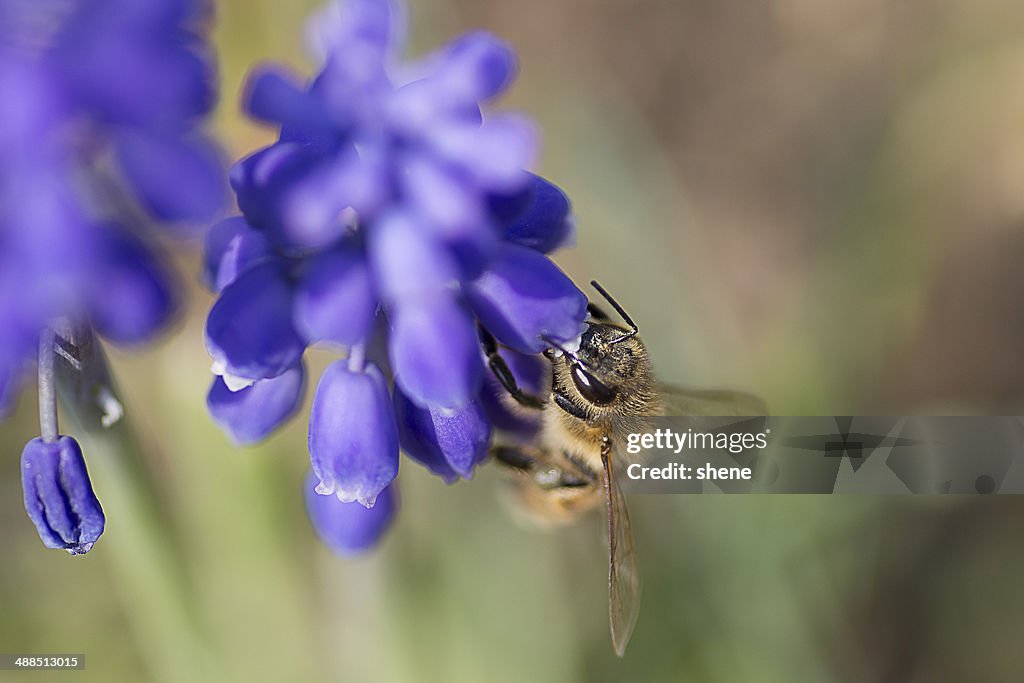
98 144
392 216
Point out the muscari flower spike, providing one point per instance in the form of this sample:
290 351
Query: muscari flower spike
100 152
393 214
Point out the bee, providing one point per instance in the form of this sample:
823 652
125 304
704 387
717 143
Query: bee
592 398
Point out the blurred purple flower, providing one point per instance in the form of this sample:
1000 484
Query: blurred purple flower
394 213
349 528
81 80
100 151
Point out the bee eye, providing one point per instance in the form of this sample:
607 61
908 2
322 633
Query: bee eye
590 387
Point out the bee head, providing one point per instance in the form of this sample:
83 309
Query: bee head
608 361
610 364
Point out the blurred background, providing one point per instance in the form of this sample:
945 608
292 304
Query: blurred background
819 202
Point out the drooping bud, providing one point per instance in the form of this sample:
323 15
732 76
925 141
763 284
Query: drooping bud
349 528
58 495
353 439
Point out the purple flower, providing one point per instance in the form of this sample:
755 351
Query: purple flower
110 77
449 445
353 440
394 214
251 414
82 80
523 298
249 331
349 528
539 217
58 495
137 295
232 247
101 150
334 299
435 353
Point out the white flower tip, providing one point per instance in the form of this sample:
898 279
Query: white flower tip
356 495
235 383
325 489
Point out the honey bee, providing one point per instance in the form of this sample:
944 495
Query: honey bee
592 398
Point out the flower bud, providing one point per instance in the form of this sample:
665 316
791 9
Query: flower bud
133 294
231 247
476 66
176 177
249 332
353 440
449 445
435 353
524 296
249 415
349 528
334 300
58 495
546 223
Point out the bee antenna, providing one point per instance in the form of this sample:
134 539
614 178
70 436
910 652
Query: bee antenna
556 345
633 329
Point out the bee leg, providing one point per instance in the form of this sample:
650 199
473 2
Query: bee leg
513 457
567 404
501 370
543 470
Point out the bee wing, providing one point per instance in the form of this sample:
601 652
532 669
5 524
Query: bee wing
717 402
623 578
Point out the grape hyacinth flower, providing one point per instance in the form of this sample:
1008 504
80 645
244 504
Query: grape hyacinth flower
58 494
393 215
101 155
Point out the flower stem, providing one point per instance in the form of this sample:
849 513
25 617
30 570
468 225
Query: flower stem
48 426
